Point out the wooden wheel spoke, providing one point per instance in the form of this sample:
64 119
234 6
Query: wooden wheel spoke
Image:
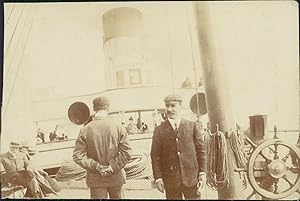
251 143
276 187
284 159
276 152
294 169
266 158
259 169
271 149
287 180
251 195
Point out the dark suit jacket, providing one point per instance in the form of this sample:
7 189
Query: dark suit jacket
102 141
12 165
178 158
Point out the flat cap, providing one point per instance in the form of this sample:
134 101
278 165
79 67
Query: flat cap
99 102
173 97
14 144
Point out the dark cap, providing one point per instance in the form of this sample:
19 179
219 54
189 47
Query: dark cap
14 144
130 118
100 102
173 97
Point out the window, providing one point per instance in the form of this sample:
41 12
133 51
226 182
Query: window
135 76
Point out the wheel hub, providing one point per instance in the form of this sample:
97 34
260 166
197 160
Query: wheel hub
277 168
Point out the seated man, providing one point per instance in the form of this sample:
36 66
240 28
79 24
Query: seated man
142 126
131 127
40 136
15 165
53 137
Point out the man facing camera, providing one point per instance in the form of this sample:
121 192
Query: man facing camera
178 154
102 149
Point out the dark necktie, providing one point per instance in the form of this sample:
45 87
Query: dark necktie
176 127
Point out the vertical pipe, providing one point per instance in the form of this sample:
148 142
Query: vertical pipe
218 106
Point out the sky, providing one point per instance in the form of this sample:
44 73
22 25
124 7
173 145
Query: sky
55 50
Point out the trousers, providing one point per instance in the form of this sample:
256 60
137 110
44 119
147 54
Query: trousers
178 193
104 192
27 179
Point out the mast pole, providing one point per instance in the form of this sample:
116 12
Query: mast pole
218 106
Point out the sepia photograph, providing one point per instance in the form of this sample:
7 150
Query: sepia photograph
150 100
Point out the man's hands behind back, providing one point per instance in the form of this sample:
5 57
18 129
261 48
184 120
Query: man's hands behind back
104 170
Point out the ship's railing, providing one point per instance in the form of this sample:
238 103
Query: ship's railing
285 131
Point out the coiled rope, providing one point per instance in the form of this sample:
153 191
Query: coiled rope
217 176
138 167
70 171
237 146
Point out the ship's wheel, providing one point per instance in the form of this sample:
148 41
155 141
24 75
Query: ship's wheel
274 169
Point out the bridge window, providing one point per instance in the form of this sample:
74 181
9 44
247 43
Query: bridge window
135 76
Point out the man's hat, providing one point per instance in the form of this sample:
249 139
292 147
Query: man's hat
14 144
130 118
173 97
100 102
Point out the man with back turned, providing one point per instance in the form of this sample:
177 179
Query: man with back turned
178 154
102 149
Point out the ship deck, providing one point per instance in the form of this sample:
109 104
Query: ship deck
140 189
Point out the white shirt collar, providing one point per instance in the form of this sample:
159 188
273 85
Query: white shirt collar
101 113
173 121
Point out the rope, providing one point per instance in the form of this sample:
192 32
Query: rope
237 146
217 176
70 171
20 62
138 167
11 11
15 28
